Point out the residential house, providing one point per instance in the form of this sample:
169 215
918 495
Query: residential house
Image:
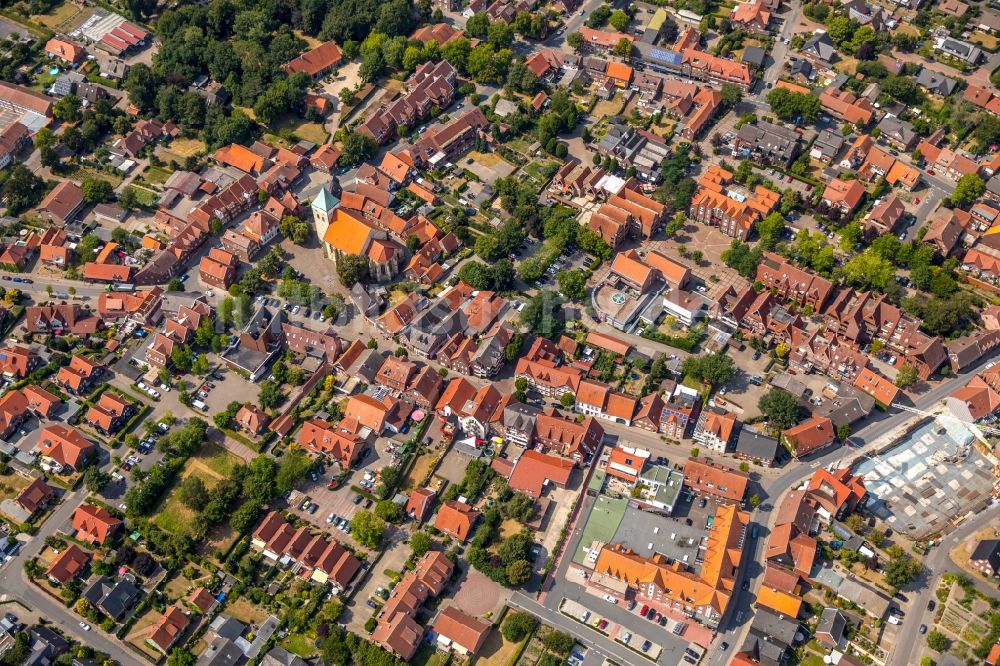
94 525
456 519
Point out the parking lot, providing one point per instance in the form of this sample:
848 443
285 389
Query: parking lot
342 501
589 616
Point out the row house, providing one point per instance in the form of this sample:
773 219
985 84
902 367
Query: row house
431 85
793 284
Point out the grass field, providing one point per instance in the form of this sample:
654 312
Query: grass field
11 485
64 17
486 159
211 465
989 42
180 149
497 651
79 172
299 644
246 612
308 131
145 196
155 175
607 107
418 472
509 528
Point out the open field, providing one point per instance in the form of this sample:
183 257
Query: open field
82 173
988 42
299 644
313 132
246 612
11 485
211 465
419 471
497 651
64 17
180 149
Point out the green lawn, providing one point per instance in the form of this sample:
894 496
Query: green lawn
299 644
144 196
156 175
812 660
217 459
427 655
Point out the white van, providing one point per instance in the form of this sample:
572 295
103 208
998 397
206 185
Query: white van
198 404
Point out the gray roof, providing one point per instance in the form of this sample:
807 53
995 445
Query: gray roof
900 130
520 417
829 143
227 627
960 49
821 46
754 55
770 139
282 657
753 444
777 627
849 406
221 652
801 66
832 622
935 82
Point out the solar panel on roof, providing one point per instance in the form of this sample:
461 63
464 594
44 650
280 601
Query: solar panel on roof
666 56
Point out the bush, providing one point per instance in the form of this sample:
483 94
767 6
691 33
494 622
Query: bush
518 625
558 642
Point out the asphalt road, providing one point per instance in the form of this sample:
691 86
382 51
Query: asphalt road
738 619
909 641
592 639
15 583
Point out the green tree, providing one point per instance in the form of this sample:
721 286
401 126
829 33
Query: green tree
420 544
770 230
619 20
567 400
623 49
790 105
367 529
517 625
575 40
94 479
937 641
96 190
969 188
906 376
715 368
558 642
270 394
542 315
390 512
780 408
192 492
518 572
572 284
352 268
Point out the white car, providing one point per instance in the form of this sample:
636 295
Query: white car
164 388
85 626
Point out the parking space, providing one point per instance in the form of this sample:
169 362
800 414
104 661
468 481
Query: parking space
593 618
222 387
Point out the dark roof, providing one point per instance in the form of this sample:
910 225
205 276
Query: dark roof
832 622
282 657
754 55
115 598
988 550
757 445
820 45
221 652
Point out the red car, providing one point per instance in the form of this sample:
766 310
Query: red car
930 172
642 611
917 199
